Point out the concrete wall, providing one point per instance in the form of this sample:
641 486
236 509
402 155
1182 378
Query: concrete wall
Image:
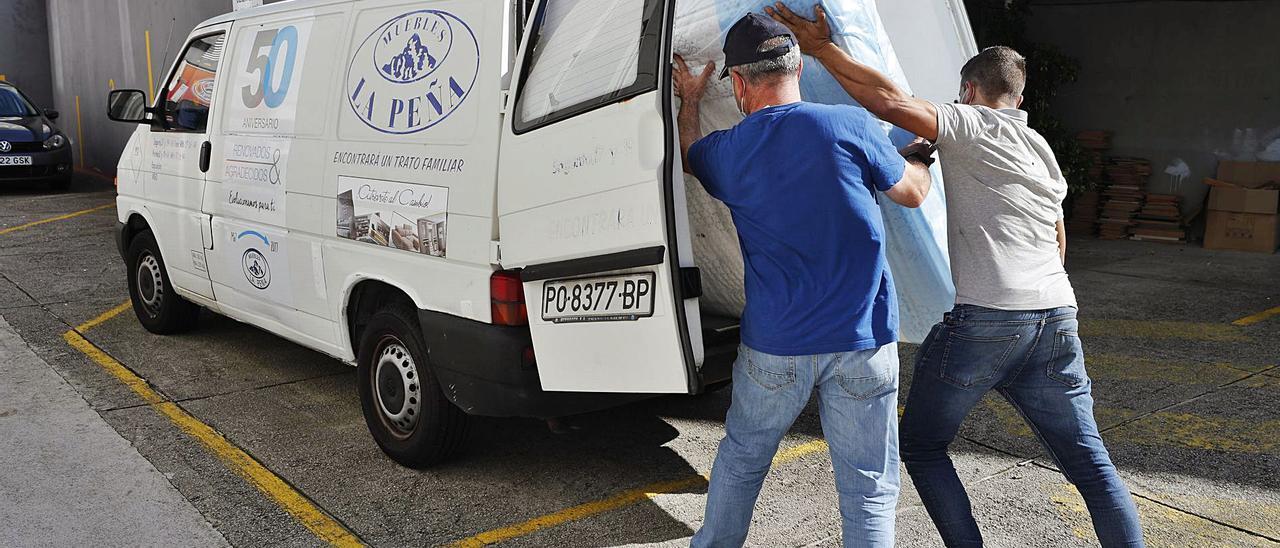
1172 79
97 43
24 49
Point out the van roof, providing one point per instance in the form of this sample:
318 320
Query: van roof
275 7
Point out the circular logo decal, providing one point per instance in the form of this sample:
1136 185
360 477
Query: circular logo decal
413 71
256 269
203 89
5 146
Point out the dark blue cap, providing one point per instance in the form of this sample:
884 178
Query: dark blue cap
742 42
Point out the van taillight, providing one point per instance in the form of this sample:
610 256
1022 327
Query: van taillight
506 292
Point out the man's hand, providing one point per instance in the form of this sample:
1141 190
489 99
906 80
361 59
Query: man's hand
813 36
689 89
920 149
871 89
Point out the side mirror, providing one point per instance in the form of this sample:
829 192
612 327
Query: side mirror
50 114
128 105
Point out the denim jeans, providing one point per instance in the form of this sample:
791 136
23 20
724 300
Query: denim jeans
858 406
1033 359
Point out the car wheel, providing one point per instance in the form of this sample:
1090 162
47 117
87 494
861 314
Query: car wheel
158 307
403 404
60 184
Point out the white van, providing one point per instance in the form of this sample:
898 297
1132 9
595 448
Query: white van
385 181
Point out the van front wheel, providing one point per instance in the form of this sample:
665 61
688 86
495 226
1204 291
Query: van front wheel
403 404
159 309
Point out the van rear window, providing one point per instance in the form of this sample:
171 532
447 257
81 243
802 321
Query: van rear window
584 54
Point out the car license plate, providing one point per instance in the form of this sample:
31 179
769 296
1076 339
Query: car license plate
15 160
625 297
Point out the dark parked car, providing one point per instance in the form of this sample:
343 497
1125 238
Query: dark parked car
31 147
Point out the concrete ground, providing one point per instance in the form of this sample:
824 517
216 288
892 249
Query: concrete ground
1187 401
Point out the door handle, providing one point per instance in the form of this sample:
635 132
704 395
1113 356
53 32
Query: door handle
205 150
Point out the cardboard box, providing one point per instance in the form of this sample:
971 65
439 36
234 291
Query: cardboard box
1244 200
1244 219
1242 231
1249 174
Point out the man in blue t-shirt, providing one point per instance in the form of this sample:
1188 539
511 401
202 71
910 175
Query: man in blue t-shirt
801 181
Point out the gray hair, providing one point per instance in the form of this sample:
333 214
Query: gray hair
772 69
999 71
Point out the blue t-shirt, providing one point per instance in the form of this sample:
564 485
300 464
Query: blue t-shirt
800 181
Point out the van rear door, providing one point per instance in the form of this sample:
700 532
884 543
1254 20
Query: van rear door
590 207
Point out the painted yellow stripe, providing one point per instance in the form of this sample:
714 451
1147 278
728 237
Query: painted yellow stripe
79 131
1257 318
621 500
104 317
151 80
295 503
58 218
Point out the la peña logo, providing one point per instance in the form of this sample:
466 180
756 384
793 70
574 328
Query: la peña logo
413 71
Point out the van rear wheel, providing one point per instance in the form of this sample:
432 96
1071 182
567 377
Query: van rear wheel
404 406
159 309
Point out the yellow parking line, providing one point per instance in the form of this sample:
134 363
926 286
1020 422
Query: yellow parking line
621 500
58 218
323 526
1257 318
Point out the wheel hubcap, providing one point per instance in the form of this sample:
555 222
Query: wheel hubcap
150 283
396 385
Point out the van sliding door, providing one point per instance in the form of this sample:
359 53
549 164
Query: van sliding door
586 201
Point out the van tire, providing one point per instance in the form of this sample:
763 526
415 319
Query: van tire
393 373
159 309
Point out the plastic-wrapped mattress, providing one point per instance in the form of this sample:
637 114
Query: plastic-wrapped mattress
917 246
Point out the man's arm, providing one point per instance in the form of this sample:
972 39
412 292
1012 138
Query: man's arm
1062 241
914 186
867 86
689 89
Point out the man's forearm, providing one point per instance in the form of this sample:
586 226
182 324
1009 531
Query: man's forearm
867 86
689 123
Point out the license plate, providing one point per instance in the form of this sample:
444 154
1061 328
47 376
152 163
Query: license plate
625 297
15 160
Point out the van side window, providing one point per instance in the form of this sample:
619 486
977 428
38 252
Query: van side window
190 88
585 54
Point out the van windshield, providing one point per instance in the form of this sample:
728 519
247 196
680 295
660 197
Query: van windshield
13 104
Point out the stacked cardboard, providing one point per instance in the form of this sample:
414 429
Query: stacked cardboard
1095 142
1084 208
1244 207
1160 220
1123 197
1084 213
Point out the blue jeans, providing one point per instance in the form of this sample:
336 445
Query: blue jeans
1033 359
858 392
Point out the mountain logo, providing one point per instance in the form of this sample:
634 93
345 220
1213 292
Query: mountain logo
413 71
408 64
256 269
254 264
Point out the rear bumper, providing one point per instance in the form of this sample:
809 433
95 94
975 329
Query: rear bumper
45 165
480 368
